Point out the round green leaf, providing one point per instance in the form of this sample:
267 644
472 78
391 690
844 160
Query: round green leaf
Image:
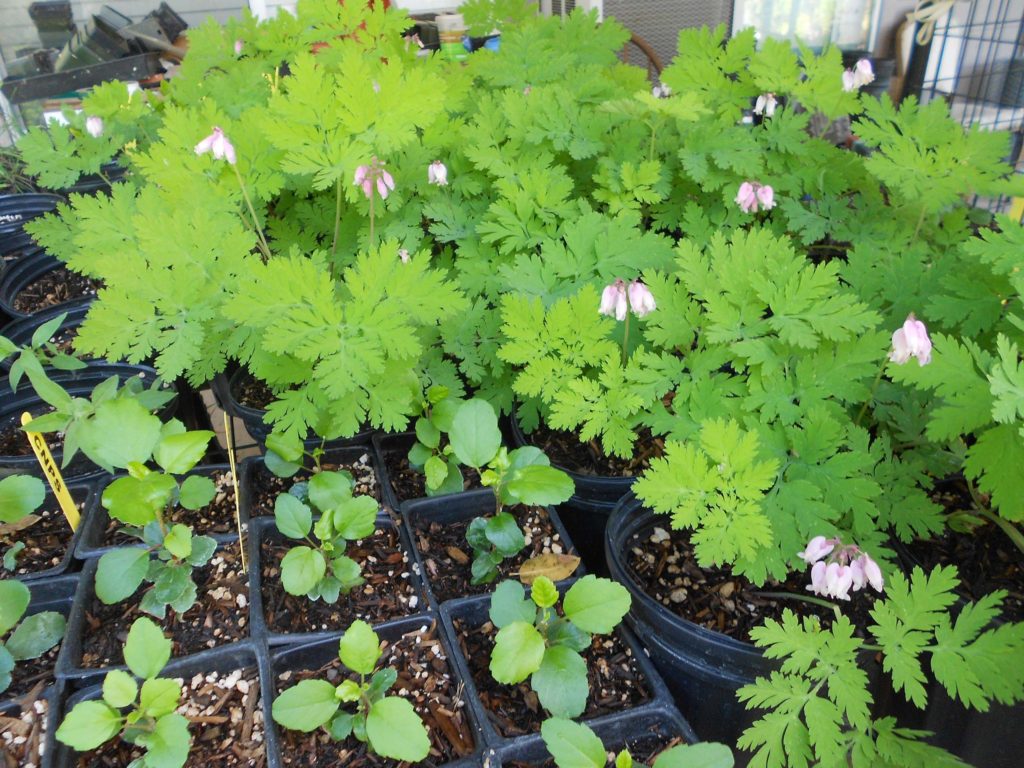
561 682
427 433
436 471
359 648
596 605
178 541
119 689
159 696
573 745
20 495
704 755
14 597
475 437
196 492
119 573
88 725
36 635
509 604
177 454
538 484
396 731
518 653
503 532
294 519
544 592
146 651
356 518
136 500
136 429
278 466
306 706
302 569
168 743
6 667
328 490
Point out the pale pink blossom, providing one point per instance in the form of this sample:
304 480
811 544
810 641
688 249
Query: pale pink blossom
374 175
765 196
218 144
766 104
753 196
872 572
849 80
911 341
94 126
437 173
838 580
641 300
403 254
817 584
661 91
862 74
238 47
614 301
817 548
385 184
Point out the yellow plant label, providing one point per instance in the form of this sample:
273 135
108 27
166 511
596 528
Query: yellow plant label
52 472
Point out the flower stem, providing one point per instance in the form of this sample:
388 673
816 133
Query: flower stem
625 341
262 242
920 223
805 598
1011 531
371 220
871 395
337 217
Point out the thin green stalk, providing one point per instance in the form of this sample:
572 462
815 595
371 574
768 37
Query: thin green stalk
337 218
625 341
1011 531
920 223
372 242
261 241
871 395
805 598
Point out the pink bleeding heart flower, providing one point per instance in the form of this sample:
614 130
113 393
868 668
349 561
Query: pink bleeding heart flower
766 104
437 173
218 144
614 302
863 72
838 580
849 80
817 548
872 572
385 184
746 198
238 47
641 300
403 254
374 175
765 196
911 341
94 126
817 584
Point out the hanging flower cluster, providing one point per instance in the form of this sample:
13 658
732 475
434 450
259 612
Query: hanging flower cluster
374 174
836 569
218 144
617 299
911 341
753 197
94 126
859 76
437 173
766 104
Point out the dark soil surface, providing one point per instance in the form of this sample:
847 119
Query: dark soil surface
46 540
218 617
266 487
408 483
424 678
55 287
664 564
29 673
22 734
448 558
226 725
13 442
566 451
217 517
644 748
387 594
252 393
616 682
986 559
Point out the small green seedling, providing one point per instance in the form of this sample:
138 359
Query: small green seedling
141 501
535 641
143 715
32 637
40 352
574 745
320 568
286 453
522 476
20 497
387 724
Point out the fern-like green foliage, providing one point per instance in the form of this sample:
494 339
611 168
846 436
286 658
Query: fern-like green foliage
819 699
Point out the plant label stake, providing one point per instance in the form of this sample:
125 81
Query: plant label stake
52 472
228 432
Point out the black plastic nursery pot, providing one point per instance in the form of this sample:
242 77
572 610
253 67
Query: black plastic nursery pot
99 535
391 451
90 184
703 669
219 618
420 652
15 246
227 387
391 592
223 697
50 541
586 513
40 273
622 678
645 733
437 530
20 331
15 210
259 487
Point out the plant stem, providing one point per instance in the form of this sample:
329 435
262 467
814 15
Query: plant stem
371 220
1011 531
871 395
920 222
252 212
625 341
805 598
337 219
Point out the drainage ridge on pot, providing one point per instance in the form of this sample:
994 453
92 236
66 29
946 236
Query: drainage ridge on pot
93 530
475 612
660 721
69 665
84 494
459 508
19 275
265 530
315 655
20 331
237 656
16 210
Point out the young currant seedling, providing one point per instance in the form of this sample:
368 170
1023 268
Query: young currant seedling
32 638
574 745
522 476
387 724
20 496
40 352
150 721
322 569
285 454
141 501
535 641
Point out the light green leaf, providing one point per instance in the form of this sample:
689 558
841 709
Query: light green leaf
178 541
14 597
177 454
36 635
573 745
119 689
120 432
119 573
561 682
544 592
509 604
167 745
137 500
539 484
596 605
328 490
704 755
475 437
396 731
302 569
20 495
306 706
88 725
294 519
518 652
356 518
159 696
359 648
146 651
196 492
